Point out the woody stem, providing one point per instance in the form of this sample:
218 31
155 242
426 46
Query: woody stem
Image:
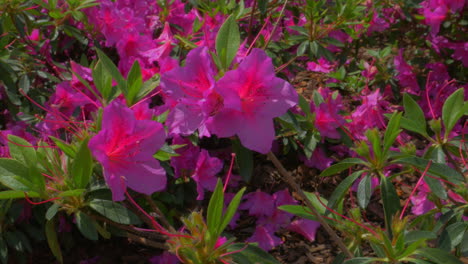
290 180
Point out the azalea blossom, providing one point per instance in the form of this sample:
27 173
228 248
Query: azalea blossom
253 96
125 148
189 92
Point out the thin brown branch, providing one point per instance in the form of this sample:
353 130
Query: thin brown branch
160 215
290 180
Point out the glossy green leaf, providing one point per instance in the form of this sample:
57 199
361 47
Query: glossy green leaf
414 117
342 188
436 169
52 240
436 187
341 166
452 236
392 132
391 202
148 86
374 138
22 150
244 160
228 42
298 210
134 83
114 211
15 194
452 110
82 166
103 81
438 256
364 191
415 235
231 210
110 67
65 147
250 254
86 226
11 174
215 209
360 260
52 211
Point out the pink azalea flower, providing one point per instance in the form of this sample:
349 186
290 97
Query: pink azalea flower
377 24
258 203
319 160
164 258
322 65
186 162
305 227
434 15
265 238
205 173
405 75
253 96
125 148
327 117
421 204
189 90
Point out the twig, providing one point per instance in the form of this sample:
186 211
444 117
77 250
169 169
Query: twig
161 216
289 179
276 25
146 242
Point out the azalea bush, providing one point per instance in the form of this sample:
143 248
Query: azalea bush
155 121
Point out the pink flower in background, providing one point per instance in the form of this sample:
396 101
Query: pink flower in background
205 173
405 75
322 65
305 227
125 148
253 96
420 201
189 91
319 159
327 117
265 238
258 203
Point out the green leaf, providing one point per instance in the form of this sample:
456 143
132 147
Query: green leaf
452 236
244 160
436 169
413 236
14 175
304 105
70 193
438 256
231 210
134 83
374 139
114 211
309 144
250 254
228 42
22 150
342 188
148 87
436 187
414 117
15 194
341 166
82 166
110 67
52 211
392 132
103 81
65 147
298 210
364 191
215 209
360 260
86 226
53 241
391 202
452 110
